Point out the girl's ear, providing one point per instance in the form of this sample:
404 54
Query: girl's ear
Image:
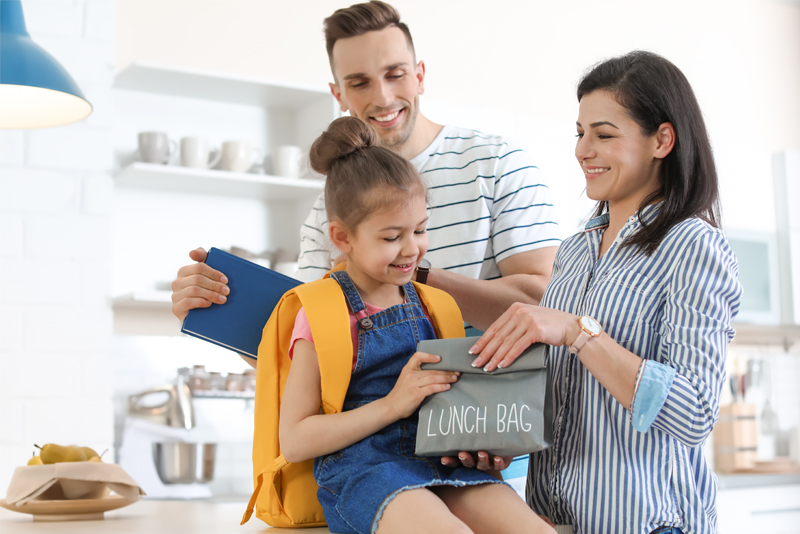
665 140
340 237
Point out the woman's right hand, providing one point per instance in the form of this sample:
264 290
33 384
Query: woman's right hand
414 384
198 286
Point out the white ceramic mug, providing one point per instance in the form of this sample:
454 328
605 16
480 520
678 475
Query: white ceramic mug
195 153
287 161
239 156
156 147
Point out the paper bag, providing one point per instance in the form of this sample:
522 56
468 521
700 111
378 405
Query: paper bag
70 480
507 412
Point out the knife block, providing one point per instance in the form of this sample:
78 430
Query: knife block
735 438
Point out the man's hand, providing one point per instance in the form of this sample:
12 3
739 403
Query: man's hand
498 463
198 286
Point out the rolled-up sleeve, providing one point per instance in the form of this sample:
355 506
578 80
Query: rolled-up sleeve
679 390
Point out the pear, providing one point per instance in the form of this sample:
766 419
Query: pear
89 453
36 460
95 459
52 453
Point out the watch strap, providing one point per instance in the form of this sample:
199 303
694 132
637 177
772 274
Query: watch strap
422 274
579 342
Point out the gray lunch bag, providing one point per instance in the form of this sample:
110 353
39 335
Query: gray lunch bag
507 412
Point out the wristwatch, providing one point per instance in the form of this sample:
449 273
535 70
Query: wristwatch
422 271
589 328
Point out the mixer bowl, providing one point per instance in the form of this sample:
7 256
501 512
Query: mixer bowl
184 463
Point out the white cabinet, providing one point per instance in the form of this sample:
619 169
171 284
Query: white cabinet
766 510
163 211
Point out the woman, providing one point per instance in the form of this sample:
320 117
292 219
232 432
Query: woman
638 314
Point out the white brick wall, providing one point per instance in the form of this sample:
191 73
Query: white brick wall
56 194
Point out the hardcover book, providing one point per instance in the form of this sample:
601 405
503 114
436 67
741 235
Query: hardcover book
237 325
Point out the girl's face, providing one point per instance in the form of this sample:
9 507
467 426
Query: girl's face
387 246
619 162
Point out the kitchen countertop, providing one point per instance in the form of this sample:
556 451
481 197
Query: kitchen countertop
155 517
222 516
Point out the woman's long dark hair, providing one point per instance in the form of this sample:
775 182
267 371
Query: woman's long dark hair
654 91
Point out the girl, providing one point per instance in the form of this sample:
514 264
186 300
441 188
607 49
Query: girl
369 477
638 313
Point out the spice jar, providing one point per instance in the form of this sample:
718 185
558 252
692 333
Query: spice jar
217 381
250 380
199 379
234 382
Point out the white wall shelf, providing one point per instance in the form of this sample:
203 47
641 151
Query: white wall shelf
186 207
144 299
222 87
213 182
755 334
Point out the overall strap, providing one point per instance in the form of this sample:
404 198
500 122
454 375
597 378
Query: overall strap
411 294
351 295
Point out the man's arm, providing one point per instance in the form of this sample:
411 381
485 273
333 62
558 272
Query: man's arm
524 278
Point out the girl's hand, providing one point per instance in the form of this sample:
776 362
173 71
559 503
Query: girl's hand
517 329
414 384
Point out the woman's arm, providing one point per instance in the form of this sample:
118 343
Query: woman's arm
305 433
678 390
703 298
522 325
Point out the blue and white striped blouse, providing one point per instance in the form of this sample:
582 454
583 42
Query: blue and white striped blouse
611 470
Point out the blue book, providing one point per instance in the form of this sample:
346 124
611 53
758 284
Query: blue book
237 325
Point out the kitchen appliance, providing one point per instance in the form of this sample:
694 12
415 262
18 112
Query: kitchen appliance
160 448
184 463
176 410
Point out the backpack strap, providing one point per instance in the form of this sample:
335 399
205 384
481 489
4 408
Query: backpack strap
329 318
444 312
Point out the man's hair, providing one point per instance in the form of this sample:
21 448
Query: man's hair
359 19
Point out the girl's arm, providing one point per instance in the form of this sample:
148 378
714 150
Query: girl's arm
306 433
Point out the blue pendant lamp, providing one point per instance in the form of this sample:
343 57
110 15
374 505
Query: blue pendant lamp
35 90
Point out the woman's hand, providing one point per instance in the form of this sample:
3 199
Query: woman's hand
414 384
198 286
517 329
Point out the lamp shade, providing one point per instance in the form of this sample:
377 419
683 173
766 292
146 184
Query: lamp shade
35 90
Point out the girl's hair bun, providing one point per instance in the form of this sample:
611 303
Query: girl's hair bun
343 137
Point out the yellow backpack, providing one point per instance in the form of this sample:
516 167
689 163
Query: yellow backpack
290 496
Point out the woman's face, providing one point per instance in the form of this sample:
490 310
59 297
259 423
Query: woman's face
618 161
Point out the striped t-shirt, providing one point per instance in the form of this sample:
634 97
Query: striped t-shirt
609 469
488 202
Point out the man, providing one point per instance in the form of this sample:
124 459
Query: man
492 233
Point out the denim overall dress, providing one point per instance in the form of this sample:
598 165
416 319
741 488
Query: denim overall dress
356 483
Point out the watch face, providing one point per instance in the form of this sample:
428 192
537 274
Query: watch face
591 326
424 264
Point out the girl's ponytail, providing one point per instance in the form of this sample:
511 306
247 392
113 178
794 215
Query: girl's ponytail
349 153
343 137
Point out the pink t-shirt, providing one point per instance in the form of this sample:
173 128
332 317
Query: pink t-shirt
302 330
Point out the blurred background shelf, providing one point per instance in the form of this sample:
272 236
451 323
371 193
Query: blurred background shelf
754 334
222 87
213 182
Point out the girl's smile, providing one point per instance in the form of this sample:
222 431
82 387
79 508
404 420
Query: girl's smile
384 249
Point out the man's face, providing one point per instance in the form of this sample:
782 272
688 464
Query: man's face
377 81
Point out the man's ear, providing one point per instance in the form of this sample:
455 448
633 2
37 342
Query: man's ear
337 94
340 237
420 74
665 140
